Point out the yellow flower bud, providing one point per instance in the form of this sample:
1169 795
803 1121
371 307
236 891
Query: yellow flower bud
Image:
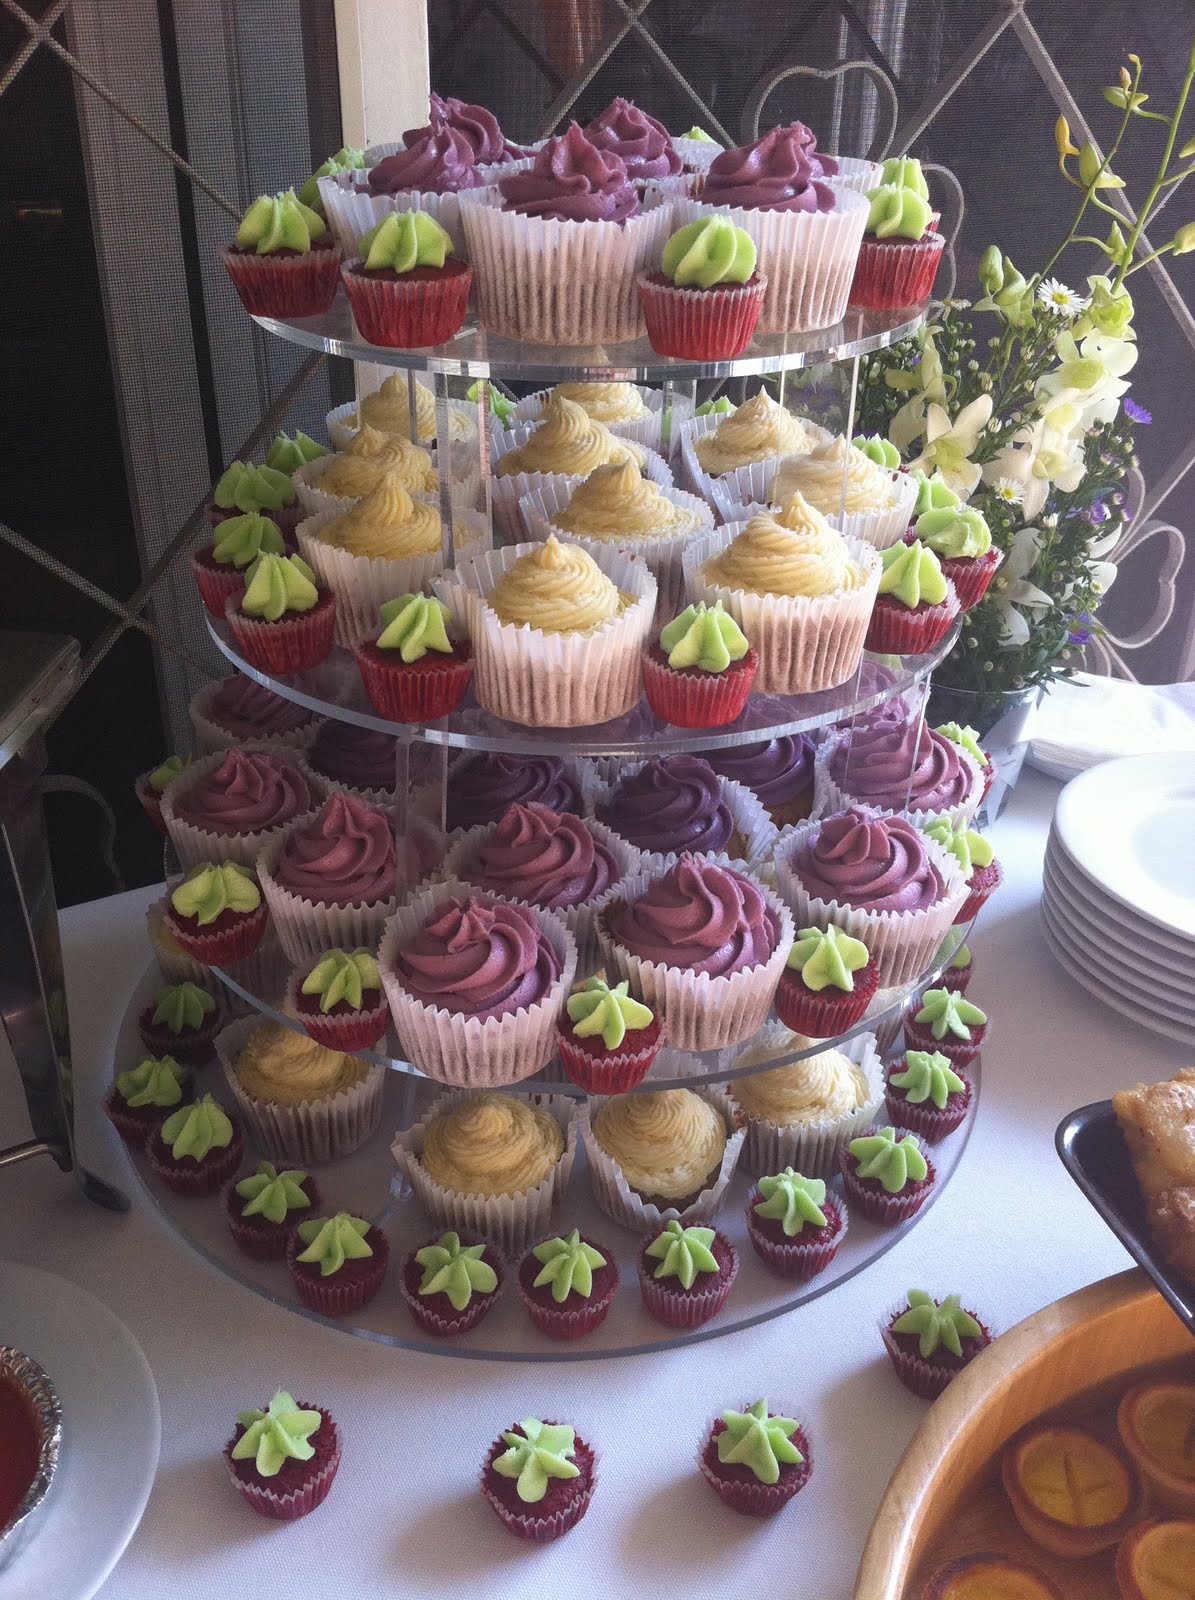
1062 138
1184 239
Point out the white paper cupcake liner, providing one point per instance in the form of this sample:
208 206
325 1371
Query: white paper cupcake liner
557 680
570 283
351 215
614 1195
579 920
194 845
701 1012
306 928
646 431
889 1028
464 488
463 1050
829 796
902 943
698 154
857 173
210 736
724 490
341 423
810 1148
881 528
808 257
511 1221
506 494
804 644
751 822
313 1132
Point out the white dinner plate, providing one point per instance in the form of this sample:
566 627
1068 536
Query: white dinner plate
1059 947
111 1430
1117 949
1113 912
1136 987
1129 826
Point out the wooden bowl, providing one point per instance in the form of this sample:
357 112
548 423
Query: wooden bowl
944 1499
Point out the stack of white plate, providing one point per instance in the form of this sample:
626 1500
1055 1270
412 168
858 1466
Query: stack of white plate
1118 896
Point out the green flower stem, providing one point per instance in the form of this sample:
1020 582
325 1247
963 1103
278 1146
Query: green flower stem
1089 194
1156 187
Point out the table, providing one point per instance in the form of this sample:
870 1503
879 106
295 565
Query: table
404 1519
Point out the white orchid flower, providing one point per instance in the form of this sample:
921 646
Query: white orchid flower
1103 575
1088 382
1101 545
1011 588
950 444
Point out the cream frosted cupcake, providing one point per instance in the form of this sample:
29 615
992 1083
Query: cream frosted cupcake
733 459
388 409
861 496
800 1115
300 1102
801 593
630 410
327 483
616 505
557 633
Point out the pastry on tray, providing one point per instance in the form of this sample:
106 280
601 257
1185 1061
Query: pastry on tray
181 1021
794 1226
197 1148
1158 1122
685 1274
1156 1561
539 1478
140 1098
1156 1421
450 1283
337 1263
567 1285
262 1209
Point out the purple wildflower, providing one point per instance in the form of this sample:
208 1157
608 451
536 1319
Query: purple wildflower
1077 632
1097 512
1136 413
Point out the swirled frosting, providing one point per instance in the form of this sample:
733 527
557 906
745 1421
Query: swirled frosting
571 180
819 477
604 402
386 524
539 855
759 429
783 171
371 455
567 441
672 803
281 1066
239 540
246 488
698 915
818 1089
357 756
617 502
874 863
441 160
767 558
388 409
250 791
776 770
484 960
893 762
343 856
491 1144
479 126
643 144
248 710
555 588
666 1143
483 787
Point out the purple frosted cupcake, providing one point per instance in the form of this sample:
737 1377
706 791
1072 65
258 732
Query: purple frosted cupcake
239 708
672 804
779 773
480 127
891 761
359 758
228 807
642 144
481 787
437 159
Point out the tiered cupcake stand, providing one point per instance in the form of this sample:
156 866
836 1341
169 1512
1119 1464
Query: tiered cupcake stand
368 1182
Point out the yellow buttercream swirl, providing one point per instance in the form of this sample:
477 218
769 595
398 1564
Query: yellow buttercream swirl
492 1144
617 502
669 1143
284 1067
758 430
806 561
368 456
555 588
569 441
818 1089
386 524
819 477
389 410
605 402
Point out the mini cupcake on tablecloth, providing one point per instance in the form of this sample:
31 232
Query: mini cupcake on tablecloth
196 1149
915 604
930 1341
901 249
891 760
801 1114
481 787
238 708
926 1095
180 1021
961 539
450 1283
827 983
733 457
217 914
700 673
672 804
756 1461
337 1263
886 1177
340 1001
407 286
567 1285
795 1228
658 1154
262 1209
946 1021
975 857
779 772
862 497
414 671
228 805
704 301
686 1274
538 1479
284 621
283 1460
283 262
237 542
150 787
245 490
643 145
145 1094
968 739
609 1040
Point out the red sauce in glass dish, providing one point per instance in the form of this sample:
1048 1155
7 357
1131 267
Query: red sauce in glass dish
18 1450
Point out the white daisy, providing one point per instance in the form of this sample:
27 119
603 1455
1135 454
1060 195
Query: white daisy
1005 489
1063 302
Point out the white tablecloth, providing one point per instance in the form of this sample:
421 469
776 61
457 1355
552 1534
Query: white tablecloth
404 1518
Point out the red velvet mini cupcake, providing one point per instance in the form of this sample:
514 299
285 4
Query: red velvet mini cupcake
450 1283
262 1209
926 1095
340 1000
148 789
196 1149
901 247
610 1039
220 568
216 913
929 1342
947 1022
139 1099
700 673
915 605
827 983
283 621
267 491
337 1263
283 1460
283 263
539 1478
406 288
886 1177
795 1228
704 302
413 671
686 1274
968 740
964 531
976 860
181 1021
755 1460
958 974
567 1285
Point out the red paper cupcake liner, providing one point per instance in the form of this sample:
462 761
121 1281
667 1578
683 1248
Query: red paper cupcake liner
926 1120
609 1071
339 1295
746 1494
893 273
983 883
434 1318
872 1201
826 1013
700 324
264 1241
421 691
299 640
928 1379
285 518
284 285
989 777
959 1052
346 1032
956 978
191 1048
895 630
216 583
689 1308
134 1124
407 312
689 698
575 1317
151 802
807 1253
296 1500
195 1178
541 1527
971 576
238 939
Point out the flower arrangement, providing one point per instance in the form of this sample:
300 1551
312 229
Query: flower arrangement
1019 402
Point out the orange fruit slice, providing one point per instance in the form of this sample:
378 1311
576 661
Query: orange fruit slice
990 1577
1156 1561
1157 1426
1071 1493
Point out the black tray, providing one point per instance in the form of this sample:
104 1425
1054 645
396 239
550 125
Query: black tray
1094 1152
